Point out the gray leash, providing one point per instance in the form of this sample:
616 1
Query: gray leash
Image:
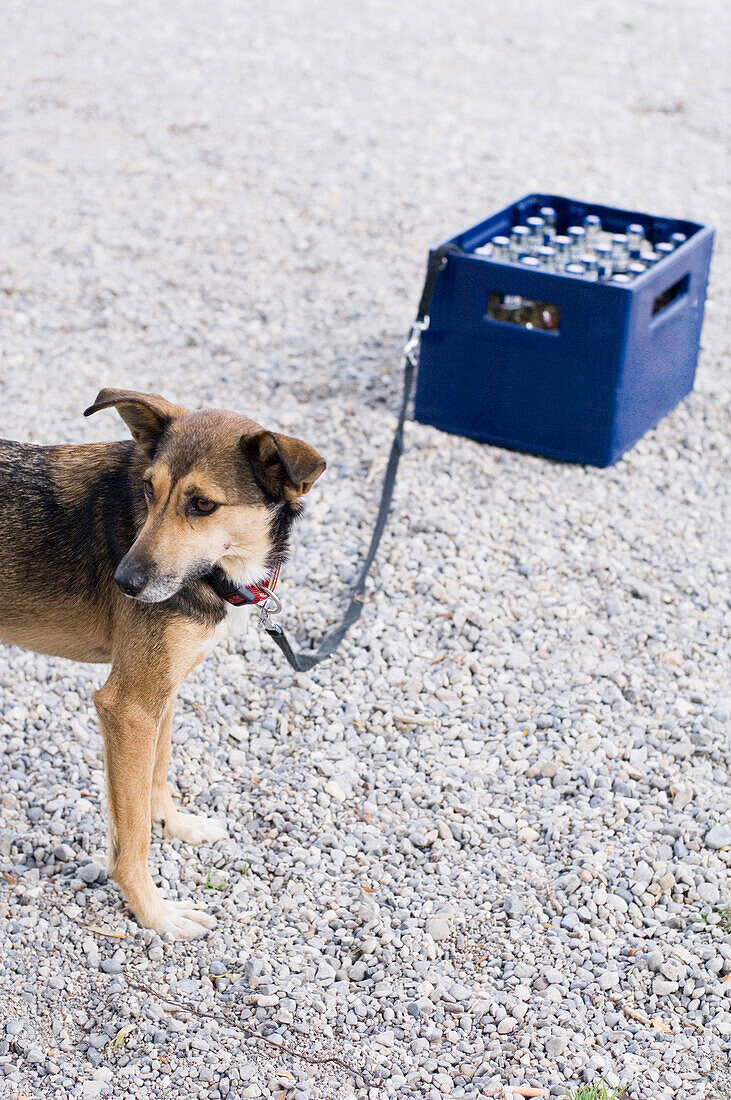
302 661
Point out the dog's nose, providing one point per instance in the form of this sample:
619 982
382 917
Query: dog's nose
130 578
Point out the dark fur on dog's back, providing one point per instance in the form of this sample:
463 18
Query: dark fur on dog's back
77 521
68 513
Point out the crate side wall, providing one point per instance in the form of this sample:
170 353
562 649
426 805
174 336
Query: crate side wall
659 366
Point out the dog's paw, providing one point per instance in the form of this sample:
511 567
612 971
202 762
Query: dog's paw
181 921
193 829
178 920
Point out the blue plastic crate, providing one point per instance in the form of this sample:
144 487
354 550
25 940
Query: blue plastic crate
623 355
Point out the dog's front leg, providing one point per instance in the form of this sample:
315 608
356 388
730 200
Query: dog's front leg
130 726
192 828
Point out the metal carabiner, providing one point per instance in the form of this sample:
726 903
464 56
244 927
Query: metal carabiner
270 596
272 606
414 339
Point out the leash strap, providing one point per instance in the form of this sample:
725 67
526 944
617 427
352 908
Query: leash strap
302 661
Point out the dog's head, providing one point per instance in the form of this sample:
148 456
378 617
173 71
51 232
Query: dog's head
220 490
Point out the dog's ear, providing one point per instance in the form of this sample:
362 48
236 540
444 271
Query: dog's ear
145 414
284 466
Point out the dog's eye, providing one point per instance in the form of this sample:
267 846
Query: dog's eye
149 491
199 506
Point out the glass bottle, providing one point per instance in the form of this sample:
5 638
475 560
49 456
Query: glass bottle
592 227
500 249
510 309
605 260
519 241
591 266
549 317
547 257
562 246
620 256
549 228
536 226
577 270
635 237
577 233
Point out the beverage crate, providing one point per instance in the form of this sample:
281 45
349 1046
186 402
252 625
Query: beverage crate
617 357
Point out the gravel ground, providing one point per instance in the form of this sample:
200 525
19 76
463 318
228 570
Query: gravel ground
471 850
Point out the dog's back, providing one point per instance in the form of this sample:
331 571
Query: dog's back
67 520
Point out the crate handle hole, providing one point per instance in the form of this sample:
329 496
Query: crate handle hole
670 295
514 309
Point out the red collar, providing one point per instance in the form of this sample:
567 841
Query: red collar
241 595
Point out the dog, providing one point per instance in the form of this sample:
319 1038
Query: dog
134 554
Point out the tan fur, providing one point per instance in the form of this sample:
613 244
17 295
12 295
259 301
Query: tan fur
236 535
60 595
135 708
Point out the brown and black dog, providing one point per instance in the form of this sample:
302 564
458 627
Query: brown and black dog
108 553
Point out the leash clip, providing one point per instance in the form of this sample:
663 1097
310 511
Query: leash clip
272 605
414 338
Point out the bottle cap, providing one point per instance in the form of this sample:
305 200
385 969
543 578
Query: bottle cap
621 278
530 261
664 249
678 238
501 242
576 231
548 214
574 269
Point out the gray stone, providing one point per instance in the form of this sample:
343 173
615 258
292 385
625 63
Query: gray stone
556 1045
514 907
438 928
91 872
718 837
708 892
663 988
110 966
